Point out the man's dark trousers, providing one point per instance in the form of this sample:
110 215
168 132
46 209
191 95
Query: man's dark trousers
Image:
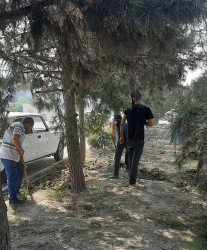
117 158
135 150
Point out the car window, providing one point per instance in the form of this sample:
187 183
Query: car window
38 125
18 119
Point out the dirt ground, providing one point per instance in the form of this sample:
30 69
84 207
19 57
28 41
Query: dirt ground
166 211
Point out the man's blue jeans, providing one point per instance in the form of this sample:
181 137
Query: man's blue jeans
14 172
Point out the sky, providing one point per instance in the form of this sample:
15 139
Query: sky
192 75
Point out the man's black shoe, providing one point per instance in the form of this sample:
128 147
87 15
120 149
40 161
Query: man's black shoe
113 177
17 202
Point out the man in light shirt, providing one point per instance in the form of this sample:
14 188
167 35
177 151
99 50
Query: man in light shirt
11 152
172 115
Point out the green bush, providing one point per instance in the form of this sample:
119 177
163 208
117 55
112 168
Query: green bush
94 122
101 140
191 122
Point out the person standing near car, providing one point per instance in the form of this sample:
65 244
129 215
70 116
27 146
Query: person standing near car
11 152
119 147
137 117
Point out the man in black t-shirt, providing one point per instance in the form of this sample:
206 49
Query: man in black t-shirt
137 117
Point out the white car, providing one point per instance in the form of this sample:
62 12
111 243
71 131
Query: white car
42 141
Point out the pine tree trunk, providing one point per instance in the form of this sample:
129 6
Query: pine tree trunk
82 133
76 171
4 225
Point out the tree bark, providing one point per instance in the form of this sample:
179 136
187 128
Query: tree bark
82 133
75 167
4 225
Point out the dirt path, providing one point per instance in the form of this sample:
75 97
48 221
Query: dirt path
166 212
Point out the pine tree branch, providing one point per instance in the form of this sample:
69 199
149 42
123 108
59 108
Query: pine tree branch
47 73
24 11
48 91
39 60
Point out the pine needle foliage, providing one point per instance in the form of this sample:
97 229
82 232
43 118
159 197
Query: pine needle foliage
191 122
59 47
123 37
149 41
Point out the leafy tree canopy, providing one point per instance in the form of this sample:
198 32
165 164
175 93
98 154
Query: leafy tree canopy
59 46
191 122
148 41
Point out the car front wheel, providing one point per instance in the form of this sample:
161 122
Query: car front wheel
3 176
59 153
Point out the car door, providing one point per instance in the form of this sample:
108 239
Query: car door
44 137
30 146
